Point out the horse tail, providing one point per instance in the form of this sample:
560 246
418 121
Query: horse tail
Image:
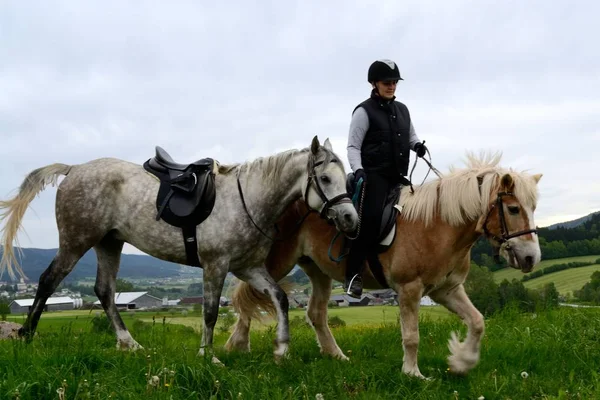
248 301
14 209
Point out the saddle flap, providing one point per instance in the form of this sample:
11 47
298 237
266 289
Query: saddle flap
184 203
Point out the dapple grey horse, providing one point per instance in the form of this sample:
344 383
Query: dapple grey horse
106 202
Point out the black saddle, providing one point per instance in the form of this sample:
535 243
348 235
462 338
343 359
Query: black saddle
186 195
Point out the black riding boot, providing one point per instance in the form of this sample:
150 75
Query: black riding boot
377 188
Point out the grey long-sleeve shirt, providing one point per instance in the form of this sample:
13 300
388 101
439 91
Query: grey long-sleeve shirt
359 125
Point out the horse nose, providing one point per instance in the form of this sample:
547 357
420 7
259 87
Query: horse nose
529 261
348 217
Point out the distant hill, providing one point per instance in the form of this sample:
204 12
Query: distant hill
35 261
574 223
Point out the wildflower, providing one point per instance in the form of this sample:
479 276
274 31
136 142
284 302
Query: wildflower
61 393
239 395
524 375
481 398
154 381
319 396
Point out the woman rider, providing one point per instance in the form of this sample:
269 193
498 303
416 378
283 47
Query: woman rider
379 143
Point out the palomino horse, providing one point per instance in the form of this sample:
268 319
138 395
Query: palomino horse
438 225
107 202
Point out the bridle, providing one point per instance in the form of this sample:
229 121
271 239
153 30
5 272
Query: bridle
327 203
505 235
312 181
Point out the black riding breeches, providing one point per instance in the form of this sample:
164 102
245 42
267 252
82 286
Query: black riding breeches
376 193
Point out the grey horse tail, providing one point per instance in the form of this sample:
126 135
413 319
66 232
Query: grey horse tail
14 209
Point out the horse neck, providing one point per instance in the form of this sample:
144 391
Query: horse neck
269 194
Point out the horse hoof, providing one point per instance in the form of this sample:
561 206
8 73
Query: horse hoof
217 362
338 356
131 346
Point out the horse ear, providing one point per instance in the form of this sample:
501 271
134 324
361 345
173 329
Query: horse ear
327 145
507 183
315 145
537 177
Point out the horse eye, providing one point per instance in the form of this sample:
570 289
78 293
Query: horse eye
513 209
325 179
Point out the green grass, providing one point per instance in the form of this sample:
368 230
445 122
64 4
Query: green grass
565 281
558 349
510 273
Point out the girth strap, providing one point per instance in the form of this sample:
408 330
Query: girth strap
191 245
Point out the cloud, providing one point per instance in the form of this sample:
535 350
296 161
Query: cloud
237 80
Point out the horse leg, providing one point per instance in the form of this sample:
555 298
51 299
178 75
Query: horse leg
317 311
464 356
262 281
409 297
108 252
214 279
61 265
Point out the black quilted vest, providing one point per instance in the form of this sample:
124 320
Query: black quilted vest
385 148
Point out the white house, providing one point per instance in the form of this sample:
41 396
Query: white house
20 306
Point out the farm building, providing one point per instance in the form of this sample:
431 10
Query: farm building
20 306
343 300
135 300
190 301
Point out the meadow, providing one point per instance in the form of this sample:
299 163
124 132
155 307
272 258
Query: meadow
550 355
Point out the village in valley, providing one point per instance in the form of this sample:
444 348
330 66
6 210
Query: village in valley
146 294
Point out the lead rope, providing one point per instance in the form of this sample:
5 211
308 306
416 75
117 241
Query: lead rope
361 189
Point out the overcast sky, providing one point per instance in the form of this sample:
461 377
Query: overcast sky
237 80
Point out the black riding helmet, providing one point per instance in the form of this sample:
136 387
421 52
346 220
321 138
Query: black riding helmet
383 70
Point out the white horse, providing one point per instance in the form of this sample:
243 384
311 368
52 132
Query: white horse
106 202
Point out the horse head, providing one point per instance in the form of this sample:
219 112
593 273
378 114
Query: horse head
509 223
325 189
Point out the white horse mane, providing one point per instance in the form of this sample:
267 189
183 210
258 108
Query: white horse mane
457 197
272 166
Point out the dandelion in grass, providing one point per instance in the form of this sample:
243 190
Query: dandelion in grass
154 381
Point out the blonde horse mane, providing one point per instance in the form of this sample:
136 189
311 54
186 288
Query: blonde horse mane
457 197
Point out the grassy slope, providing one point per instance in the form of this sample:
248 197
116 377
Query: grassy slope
510 273
565 281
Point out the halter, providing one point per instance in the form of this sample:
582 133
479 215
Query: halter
312 178
505 234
